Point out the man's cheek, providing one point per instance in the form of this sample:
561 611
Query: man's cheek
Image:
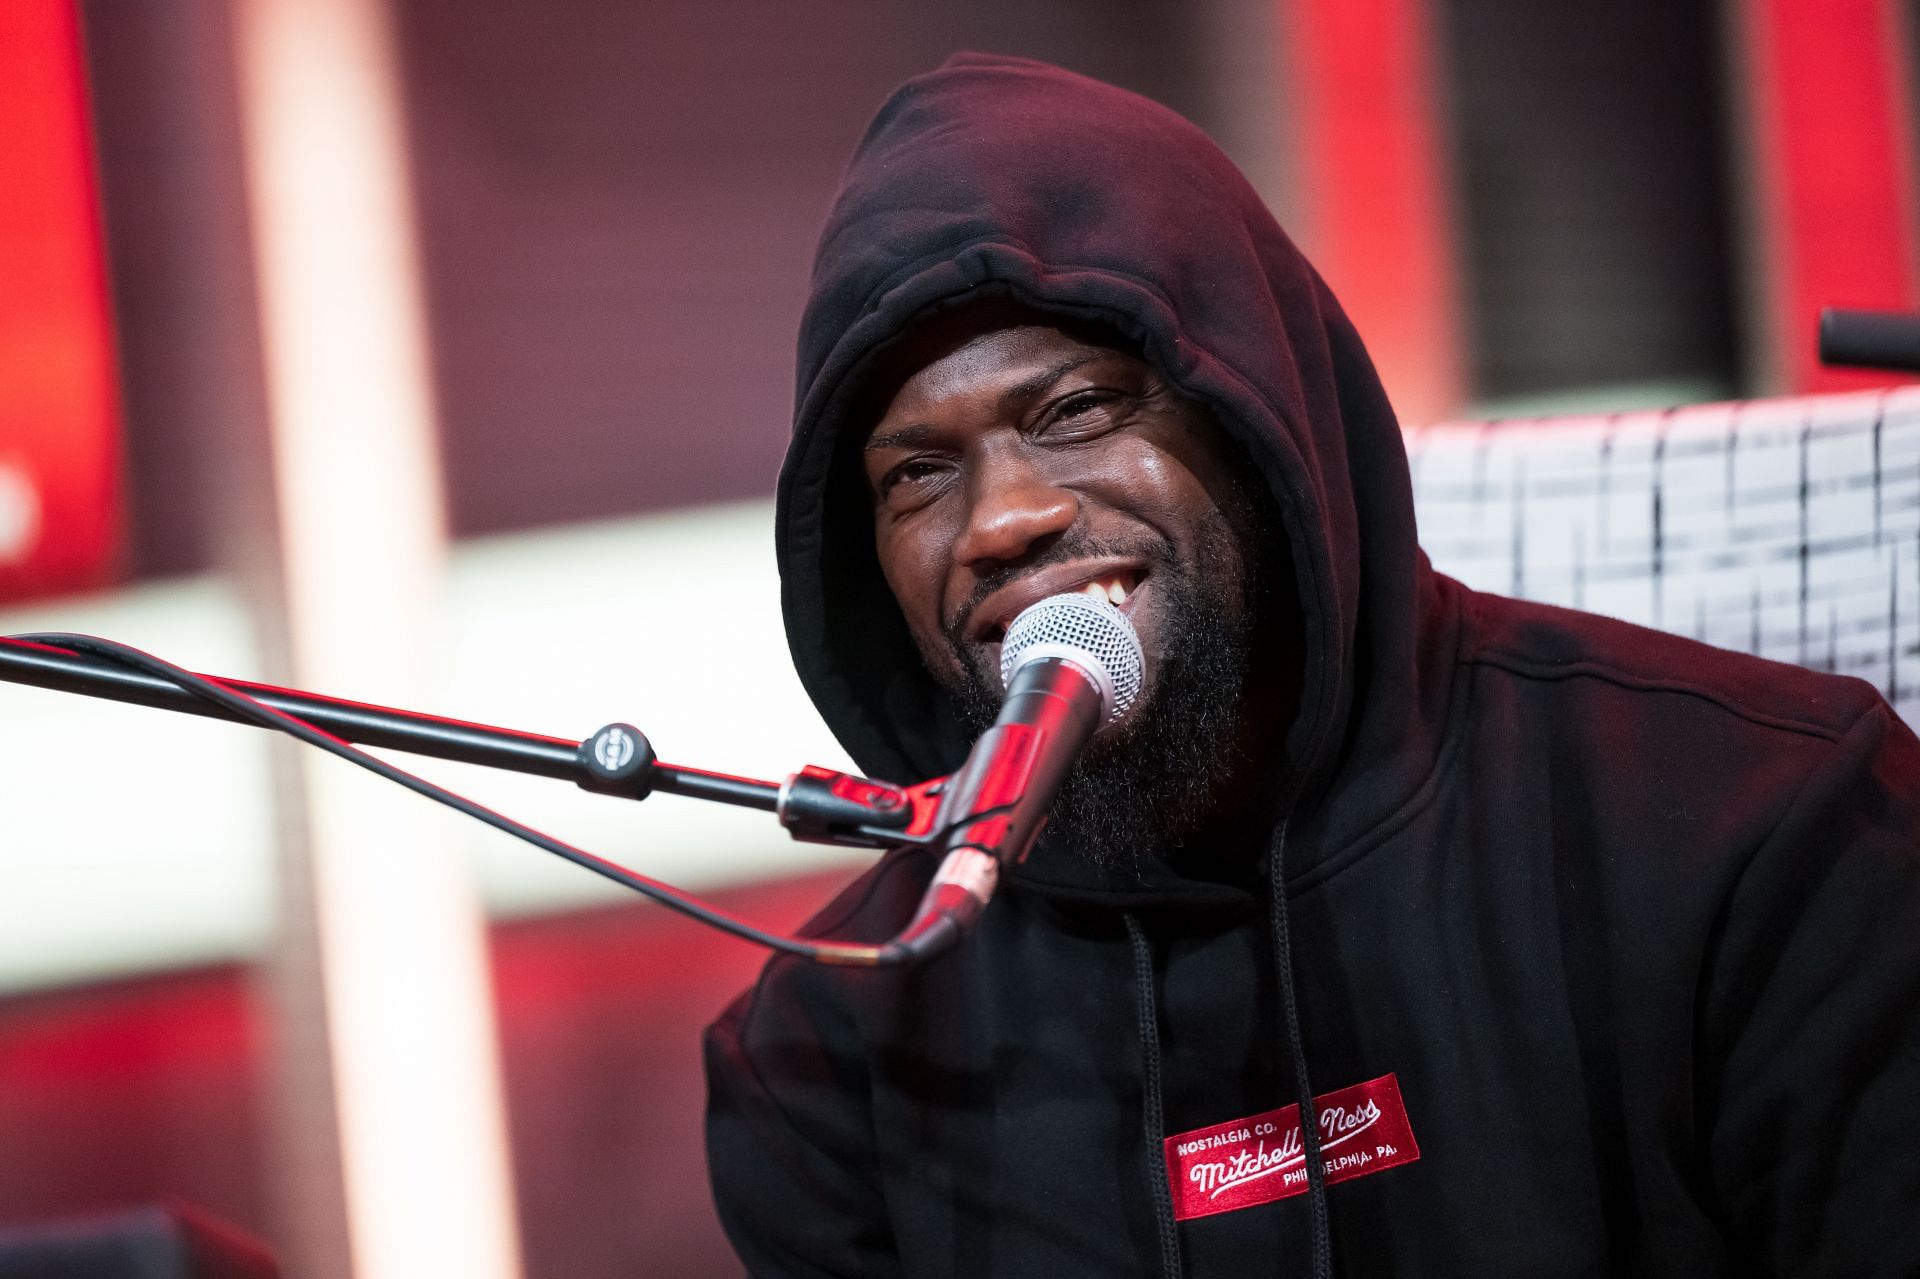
949 666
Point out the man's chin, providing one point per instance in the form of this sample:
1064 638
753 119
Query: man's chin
1150 781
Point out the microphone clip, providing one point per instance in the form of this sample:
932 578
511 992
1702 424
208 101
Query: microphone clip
820 806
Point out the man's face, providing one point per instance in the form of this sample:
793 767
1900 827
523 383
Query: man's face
1024 461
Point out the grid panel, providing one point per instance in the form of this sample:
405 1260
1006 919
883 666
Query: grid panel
1788 528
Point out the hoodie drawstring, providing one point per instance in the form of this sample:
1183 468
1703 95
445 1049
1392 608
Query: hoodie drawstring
1149 1020
1309 1120
1156 1118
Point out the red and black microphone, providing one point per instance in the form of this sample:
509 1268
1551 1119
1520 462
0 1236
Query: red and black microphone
1071 664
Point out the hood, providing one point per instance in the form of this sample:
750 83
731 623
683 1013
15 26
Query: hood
1002 176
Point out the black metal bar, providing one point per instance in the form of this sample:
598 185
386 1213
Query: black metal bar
1870 339
381 726
695 783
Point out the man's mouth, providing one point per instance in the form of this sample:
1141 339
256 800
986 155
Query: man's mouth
1115 586
1114 590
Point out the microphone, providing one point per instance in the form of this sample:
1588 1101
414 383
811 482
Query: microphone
1070 664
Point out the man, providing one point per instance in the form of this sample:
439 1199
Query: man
1599 949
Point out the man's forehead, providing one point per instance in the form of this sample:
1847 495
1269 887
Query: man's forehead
952 343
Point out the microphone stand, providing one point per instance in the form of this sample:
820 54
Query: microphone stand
816 804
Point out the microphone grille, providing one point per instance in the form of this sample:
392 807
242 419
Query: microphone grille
1090 633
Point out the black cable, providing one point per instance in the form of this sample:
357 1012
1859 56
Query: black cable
267 717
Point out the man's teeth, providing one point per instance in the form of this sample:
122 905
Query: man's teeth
1114 593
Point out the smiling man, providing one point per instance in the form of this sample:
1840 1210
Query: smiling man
1015 460
1581 949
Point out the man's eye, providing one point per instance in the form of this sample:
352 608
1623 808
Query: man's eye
909 472
1083 403
910 481
1082 411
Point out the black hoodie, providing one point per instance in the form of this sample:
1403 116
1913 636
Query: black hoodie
1607 943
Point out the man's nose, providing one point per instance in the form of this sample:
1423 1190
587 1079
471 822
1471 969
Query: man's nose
1012 505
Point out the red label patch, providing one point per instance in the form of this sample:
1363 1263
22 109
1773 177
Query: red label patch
1243 1162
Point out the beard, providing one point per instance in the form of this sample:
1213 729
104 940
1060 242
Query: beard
1149 787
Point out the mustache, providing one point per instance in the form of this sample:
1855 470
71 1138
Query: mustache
1152 547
